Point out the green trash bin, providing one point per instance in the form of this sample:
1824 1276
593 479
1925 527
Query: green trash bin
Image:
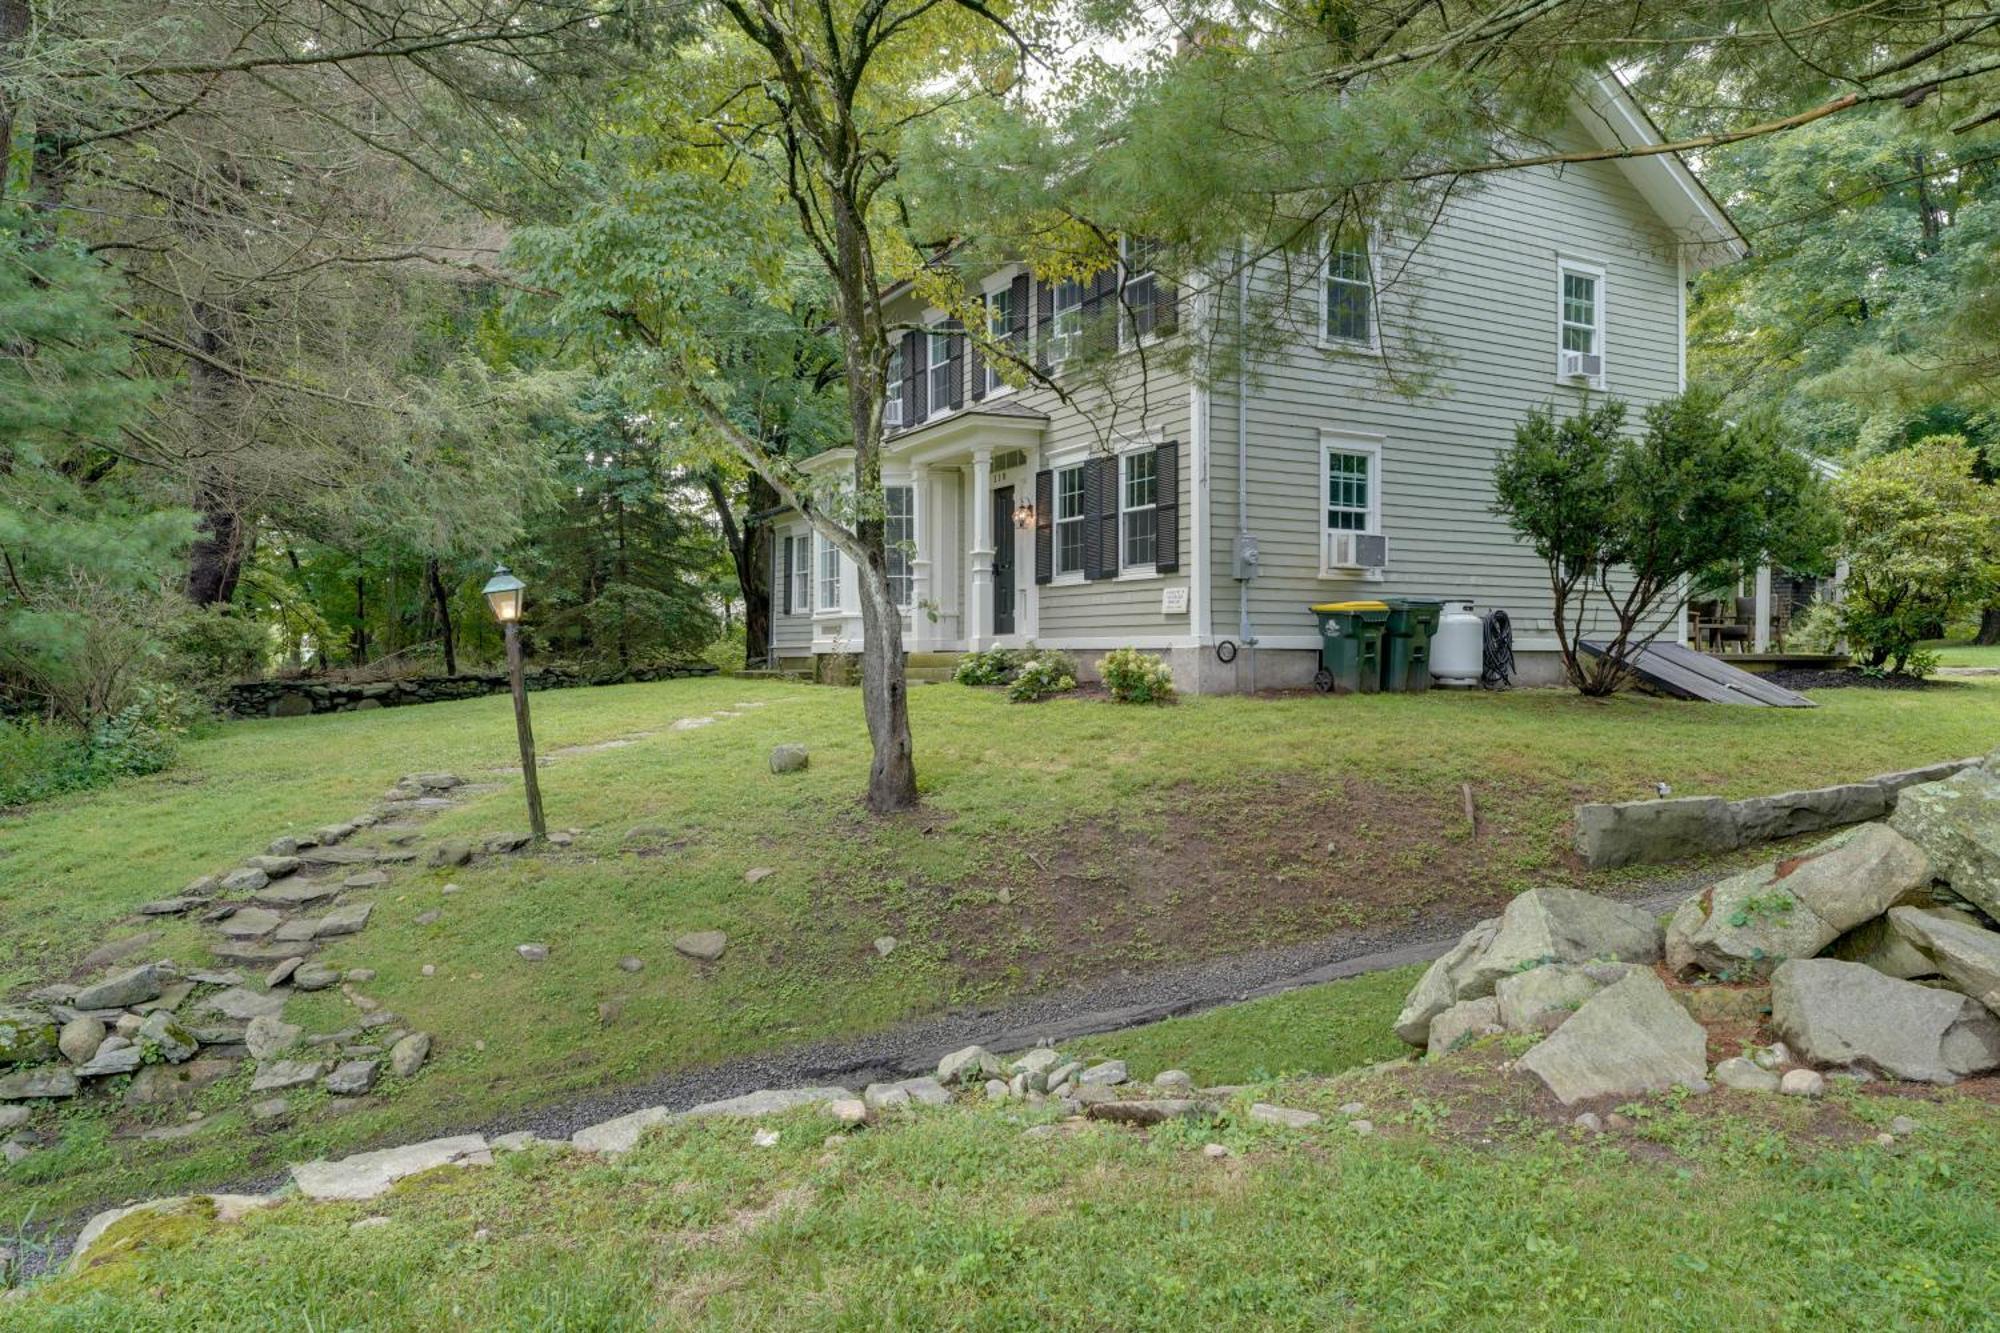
1406 656
1350 647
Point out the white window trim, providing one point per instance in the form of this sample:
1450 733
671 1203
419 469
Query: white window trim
1058 359
1056 522
821 549
1124 312
1328 343
892 389
932 319
998 284
1595 271
909 556
802 587
1146 570
1347 442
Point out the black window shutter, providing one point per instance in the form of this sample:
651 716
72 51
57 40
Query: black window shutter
1045 318
1100 309
918 396
1017 316
1100 531
790 606
957 362
979 364
1045 526
1167 507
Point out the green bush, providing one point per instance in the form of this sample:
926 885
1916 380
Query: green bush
1817 631
1134 677
993 666
211 648
1049 671
39 760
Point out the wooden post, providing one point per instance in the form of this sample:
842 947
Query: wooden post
527 734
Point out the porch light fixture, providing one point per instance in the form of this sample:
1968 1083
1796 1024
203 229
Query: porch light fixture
503 593
1024 514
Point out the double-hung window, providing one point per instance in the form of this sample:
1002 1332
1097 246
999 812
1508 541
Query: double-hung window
1138 511
1349 295
999 327
1139 284
801 580
940 368
899 537
1580 323
1070 518
892 389
829 576
1350 490
1065 332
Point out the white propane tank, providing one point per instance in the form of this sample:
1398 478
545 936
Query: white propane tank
1458 649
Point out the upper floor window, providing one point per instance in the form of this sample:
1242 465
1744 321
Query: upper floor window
1071 515
829 576
899 538
1348 300
1139 288
892 389
1065 333
999 330
1580 322
1138 508
941 364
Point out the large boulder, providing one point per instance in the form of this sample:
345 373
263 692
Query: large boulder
27 1036
1542 998
1957 823
134 986
1963 952
1437 990
1882 947
1836 1013
1555 925
1465 1022
1796 906
1629 1038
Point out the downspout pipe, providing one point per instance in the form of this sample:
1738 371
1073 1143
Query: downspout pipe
1244 629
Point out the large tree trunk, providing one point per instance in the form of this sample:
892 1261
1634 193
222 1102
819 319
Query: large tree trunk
442 602
215 560
14 20
357 637
1989 627
885 696
745 540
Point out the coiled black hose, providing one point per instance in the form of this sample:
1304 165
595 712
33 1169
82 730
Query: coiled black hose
1497 670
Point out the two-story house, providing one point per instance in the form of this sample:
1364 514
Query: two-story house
1094 524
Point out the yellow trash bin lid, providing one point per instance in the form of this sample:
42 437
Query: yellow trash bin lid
1352 606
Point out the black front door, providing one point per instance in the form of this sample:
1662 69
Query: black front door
1003 560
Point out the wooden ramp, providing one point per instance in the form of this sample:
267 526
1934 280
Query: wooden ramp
1680 671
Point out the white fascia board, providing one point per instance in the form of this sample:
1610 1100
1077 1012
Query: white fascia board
1614 120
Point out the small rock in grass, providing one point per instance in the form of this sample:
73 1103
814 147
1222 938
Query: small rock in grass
1617 1121
449 888
996 1091
1362 1127
407 1056
534 953
757 874
1774 1056
352 1078
1264 1113
1589 1122
454 852
765 1138
271 1108
702 945
247 880
428 969
1745 1075
13 1117
1902 1125
80 1038
848 1111
885 945
282 973
1107 1075
789 758
368 1224
359 976
1174 1080
1352 1108
631 964
1803 1083
1886 1140
277 1075
1214 1151
314 976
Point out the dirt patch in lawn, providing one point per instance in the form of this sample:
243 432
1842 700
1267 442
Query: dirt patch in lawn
1195 871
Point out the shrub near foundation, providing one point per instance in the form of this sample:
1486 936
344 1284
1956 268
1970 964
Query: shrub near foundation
1134 677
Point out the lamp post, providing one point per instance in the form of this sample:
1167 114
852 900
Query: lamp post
503 593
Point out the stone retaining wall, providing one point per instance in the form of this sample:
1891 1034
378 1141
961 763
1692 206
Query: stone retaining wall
296 698
1634 832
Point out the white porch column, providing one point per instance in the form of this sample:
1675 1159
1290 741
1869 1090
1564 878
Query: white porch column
923 631
1761 635
979 610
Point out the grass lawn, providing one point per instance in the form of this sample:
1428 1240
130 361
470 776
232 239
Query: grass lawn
1057 841
1963 653
1467 1209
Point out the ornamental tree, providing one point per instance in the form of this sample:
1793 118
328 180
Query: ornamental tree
1628 523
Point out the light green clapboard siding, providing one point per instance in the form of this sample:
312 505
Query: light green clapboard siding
1480 296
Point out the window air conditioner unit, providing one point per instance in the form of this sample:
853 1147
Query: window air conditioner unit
892 413
1356 550
1582 365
